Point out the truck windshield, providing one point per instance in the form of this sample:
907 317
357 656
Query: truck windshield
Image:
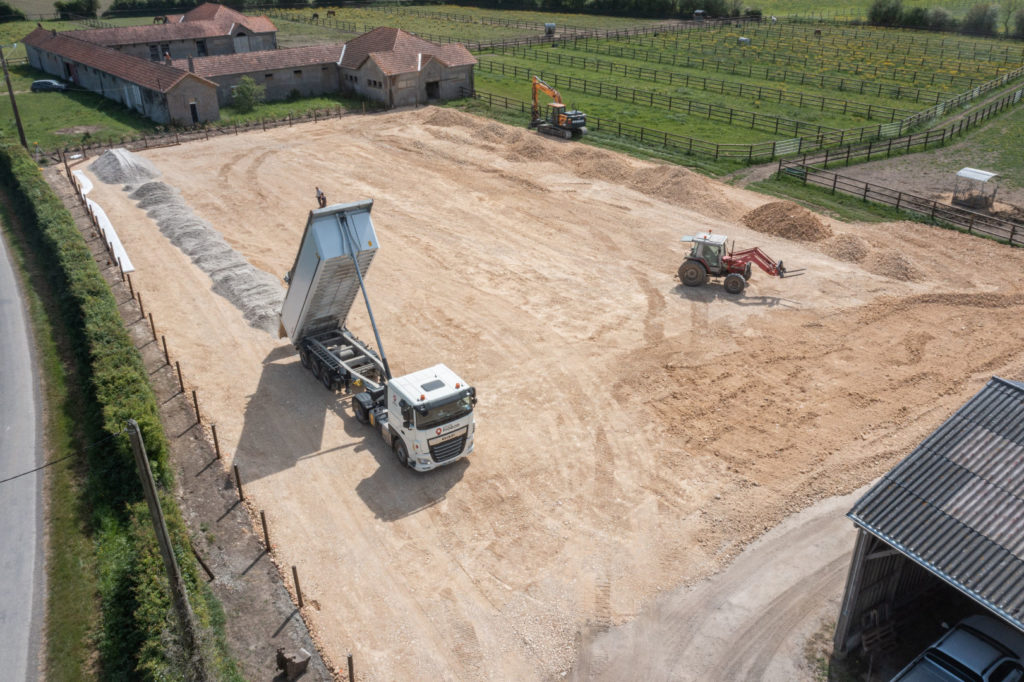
442 414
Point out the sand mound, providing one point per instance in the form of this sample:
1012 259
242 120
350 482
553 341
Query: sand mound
531 149
450 117
786 219
121 167
256 293
495 132
894 266
847 247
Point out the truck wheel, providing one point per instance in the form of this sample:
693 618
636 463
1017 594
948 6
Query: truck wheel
362 416
734 283
692 274
402 453
304 357
326 379
316 368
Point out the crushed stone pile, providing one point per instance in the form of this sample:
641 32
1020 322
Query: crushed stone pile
893 265
256 293
788 220
121 167
847 247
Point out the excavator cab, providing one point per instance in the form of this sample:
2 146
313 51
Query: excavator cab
561 122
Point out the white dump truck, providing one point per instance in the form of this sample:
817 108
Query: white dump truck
426 416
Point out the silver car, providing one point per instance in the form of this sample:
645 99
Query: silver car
977 649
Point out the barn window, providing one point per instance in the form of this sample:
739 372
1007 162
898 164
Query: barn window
154 53
201 48
297 72
165 48
268 76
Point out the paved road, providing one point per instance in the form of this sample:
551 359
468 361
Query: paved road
21 565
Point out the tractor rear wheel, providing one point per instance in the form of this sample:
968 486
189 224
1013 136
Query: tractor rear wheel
734 283
692 274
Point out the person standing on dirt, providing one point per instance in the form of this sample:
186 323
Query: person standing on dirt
321 198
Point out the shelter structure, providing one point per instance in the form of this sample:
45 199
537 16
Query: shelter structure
209 29
157 91
951 513
975 188
398 69
309 71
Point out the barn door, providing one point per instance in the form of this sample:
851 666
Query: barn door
241 43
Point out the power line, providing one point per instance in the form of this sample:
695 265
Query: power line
61 459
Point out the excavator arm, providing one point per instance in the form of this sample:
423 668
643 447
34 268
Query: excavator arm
541 86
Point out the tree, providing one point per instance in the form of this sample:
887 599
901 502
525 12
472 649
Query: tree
980 20
247 95
1009 9
77 8
1018 23
940 19
886 13
8 13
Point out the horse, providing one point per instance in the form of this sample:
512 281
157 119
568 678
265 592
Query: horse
330 13
316 17
160 20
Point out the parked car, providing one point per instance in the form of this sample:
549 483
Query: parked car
48 85
977 649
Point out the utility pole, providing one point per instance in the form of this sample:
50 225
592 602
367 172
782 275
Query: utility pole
186 619
14 105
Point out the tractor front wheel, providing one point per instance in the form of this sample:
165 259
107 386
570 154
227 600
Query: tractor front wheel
734 283
692 274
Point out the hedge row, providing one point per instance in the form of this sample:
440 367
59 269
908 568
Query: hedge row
138 637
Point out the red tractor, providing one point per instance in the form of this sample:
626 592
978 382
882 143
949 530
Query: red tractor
708 258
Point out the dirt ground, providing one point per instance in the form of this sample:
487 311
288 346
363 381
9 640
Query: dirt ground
633 435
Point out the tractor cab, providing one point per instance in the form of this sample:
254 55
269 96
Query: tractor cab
708 249
709 258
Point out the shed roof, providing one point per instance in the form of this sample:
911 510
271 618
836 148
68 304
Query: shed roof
396 51
264 60
955 505
975 174
147 74
206 21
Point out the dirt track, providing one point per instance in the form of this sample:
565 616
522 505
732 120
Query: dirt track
632 435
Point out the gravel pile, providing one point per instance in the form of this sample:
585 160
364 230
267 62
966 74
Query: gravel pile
847 247
893 265
256 293
121 167
788 220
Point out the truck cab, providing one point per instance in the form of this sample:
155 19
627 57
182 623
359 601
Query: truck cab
430 417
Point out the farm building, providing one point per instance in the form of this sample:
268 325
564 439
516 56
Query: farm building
158 91
948 517
209 29
398 69
310 71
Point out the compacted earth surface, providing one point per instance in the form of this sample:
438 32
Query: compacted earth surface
633 435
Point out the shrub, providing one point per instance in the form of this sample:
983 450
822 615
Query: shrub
8 13
753 13
247 95
73 8
980 20
886 13
940 19
915 17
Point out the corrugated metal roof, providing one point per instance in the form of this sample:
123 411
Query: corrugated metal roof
975 174
955 505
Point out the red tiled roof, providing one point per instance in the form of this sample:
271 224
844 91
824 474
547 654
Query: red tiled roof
212 21
264 60
146 74
396 51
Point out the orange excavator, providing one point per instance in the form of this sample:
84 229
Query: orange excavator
560 122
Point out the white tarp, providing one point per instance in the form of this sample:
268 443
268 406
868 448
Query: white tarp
975 174
106 227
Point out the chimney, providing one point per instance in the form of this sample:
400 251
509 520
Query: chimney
167 58
191 65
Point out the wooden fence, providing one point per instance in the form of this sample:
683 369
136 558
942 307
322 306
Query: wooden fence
715 112
722 87
975 223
